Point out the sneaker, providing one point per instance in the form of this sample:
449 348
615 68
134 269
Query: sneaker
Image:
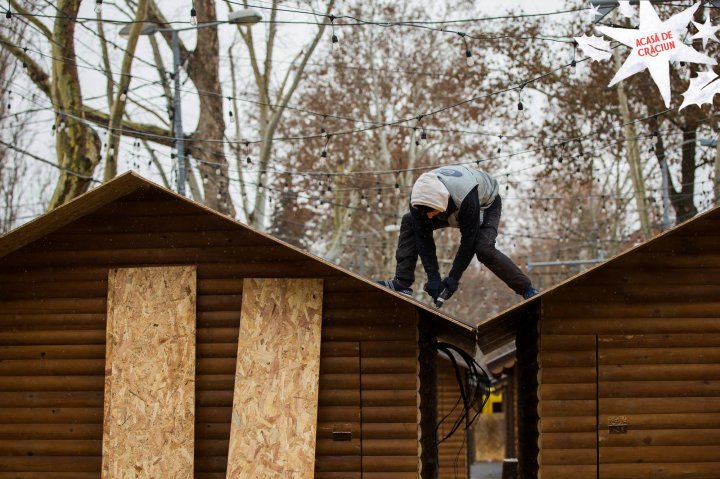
530 292
396 286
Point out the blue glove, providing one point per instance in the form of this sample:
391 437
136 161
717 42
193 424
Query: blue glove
433 287
451 284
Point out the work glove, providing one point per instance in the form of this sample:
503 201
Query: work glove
433 287
451 285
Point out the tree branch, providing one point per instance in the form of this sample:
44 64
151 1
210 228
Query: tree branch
131 129
27 15
118 106
155 15
106 62
36 73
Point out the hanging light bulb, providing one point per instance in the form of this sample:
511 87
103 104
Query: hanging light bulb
98 6
123 97
193 17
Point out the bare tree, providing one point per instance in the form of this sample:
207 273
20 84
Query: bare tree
14 165
78 146
273 100
372 78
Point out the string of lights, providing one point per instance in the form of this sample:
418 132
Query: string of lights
47 162
353 21
315 173
399 170
328 135
371 124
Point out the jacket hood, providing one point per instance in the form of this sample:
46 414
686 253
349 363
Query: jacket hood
428 190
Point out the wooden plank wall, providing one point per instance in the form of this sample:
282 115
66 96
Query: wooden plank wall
149 409
662 378
452 452
52 344
568 446
665 388
272 434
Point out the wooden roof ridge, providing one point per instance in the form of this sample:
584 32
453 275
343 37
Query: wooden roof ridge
487 326
129 182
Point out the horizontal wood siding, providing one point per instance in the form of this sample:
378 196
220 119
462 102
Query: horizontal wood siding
669 417
52 341
453 452
568 436
656 313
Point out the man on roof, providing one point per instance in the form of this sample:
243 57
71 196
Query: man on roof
457 197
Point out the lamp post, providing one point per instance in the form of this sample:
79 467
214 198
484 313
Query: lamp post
242 17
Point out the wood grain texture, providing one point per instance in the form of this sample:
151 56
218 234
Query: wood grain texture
149 409
275 403
568 405
452 452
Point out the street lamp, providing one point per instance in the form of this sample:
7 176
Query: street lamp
241 17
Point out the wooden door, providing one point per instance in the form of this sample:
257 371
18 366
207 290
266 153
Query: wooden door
659 406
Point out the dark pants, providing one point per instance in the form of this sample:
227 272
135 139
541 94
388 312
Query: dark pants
503 267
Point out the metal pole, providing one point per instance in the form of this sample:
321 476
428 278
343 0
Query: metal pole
177 117
361 255
665 194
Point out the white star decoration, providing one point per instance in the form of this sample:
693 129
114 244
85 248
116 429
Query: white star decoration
702 89
706 31
625 9
596 48
654 45
593 12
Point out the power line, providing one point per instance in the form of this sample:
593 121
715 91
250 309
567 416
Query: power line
43 160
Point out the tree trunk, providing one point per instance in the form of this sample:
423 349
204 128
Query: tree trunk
633 156
77 145
683 201
204 70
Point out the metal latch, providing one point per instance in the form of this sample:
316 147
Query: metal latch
617 424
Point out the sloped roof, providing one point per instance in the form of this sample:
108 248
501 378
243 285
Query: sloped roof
130 182
500 330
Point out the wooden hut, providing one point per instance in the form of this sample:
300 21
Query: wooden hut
142 331
618 368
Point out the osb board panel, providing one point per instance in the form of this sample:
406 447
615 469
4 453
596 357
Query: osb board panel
149 408
275 402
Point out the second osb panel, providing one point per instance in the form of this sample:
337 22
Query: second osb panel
276 383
